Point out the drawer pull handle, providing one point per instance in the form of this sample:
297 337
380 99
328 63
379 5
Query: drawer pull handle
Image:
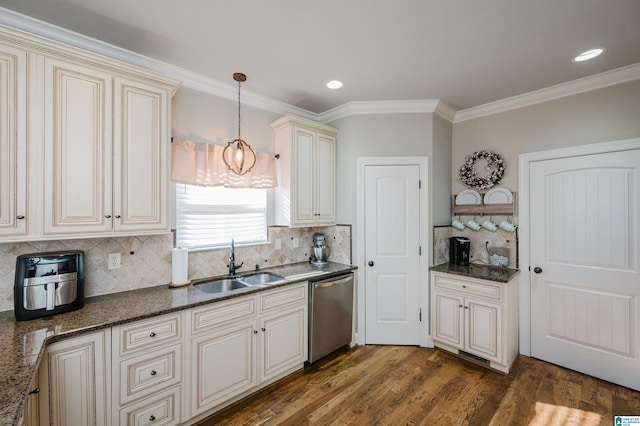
35 391
459 306
464 286
152 334
108 216
152 418
20 217
154 372
466 307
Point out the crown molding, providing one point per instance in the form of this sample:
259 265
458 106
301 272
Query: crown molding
597 81
188 78
388 107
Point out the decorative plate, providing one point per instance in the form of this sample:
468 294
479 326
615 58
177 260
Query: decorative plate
468 196
498 196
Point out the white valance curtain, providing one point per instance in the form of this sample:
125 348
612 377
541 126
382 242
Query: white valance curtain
201 164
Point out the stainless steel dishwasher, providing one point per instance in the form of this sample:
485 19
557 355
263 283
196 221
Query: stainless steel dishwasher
330 315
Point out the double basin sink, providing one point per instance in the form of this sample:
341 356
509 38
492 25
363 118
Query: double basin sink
228 284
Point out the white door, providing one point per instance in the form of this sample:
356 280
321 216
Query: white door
392 245
585 285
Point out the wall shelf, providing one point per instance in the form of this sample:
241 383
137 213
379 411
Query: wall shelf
483 209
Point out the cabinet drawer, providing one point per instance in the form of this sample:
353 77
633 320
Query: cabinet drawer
147 334
161 409
273 299
242 308
468 287
145 374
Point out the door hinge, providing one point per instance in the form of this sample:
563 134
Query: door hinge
419 250
419 183
420 315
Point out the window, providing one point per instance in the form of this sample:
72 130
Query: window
209 217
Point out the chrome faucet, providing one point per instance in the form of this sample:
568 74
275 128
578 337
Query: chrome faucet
232 261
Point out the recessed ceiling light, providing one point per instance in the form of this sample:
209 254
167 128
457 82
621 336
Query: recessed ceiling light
334 84
589 54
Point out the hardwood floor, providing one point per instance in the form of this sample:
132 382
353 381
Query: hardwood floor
406 385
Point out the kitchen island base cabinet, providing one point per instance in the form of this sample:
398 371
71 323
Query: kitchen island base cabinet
74 381
244 344
475 318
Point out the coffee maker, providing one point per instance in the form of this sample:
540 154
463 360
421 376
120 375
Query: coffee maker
320 250
459 249
48 284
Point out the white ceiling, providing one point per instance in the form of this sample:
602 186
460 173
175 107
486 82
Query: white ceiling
464 52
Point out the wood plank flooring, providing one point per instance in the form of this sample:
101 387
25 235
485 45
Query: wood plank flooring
406 385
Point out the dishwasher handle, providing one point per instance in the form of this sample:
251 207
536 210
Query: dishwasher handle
332 282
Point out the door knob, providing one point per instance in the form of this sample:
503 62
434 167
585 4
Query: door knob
537 269
370 263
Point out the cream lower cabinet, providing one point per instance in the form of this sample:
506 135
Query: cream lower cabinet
475 317
147 371
243 344
74 380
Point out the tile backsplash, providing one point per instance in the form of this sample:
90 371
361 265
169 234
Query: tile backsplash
146 260
500 238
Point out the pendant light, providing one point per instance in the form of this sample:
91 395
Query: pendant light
238 155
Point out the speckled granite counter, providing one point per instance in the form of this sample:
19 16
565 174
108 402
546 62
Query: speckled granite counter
21 343
482 272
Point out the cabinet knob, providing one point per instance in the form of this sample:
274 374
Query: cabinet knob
370 263
263 329
153 372
459 306
35 391
466 307
152 334
20 217
108 216
152 418
255 331
537 269
118 216
464 286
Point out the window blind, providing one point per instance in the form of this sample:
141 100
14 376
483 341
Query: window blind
209 217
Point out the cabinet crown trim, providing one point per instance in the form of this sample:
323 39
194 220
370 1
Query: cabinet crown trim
292 120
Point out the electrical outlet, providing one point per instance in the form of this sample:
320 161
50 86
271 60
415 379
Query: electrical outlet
114 261
296 243
487 243
278 243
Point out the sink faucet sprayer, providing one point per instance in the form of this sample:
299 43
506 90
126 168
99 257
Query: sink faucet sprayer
232 260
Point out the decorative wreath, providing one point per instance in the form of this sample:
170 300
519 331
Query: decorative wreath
468 174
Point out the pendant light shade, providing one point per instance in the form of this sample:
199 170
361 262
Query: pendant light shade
238 155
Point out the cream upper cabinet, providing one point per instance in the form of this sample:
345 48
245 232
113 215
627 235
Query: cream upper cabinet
140 169
13 143
305 195
77 148
94 132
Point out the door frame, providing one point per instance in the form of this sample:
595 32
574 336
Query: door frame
524 229
425 241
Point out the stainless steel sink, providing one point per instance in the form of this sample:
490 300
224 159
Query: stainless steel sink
260 278
220 286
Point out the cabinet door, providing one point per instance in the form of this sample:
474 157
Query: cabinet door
303 181
77 133
74 382
325 209
13 142
448 319
283 343
223 365
140 157
483 329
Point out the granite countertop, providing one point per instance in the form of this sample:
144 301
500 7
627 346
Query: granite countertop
22 342
474 270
